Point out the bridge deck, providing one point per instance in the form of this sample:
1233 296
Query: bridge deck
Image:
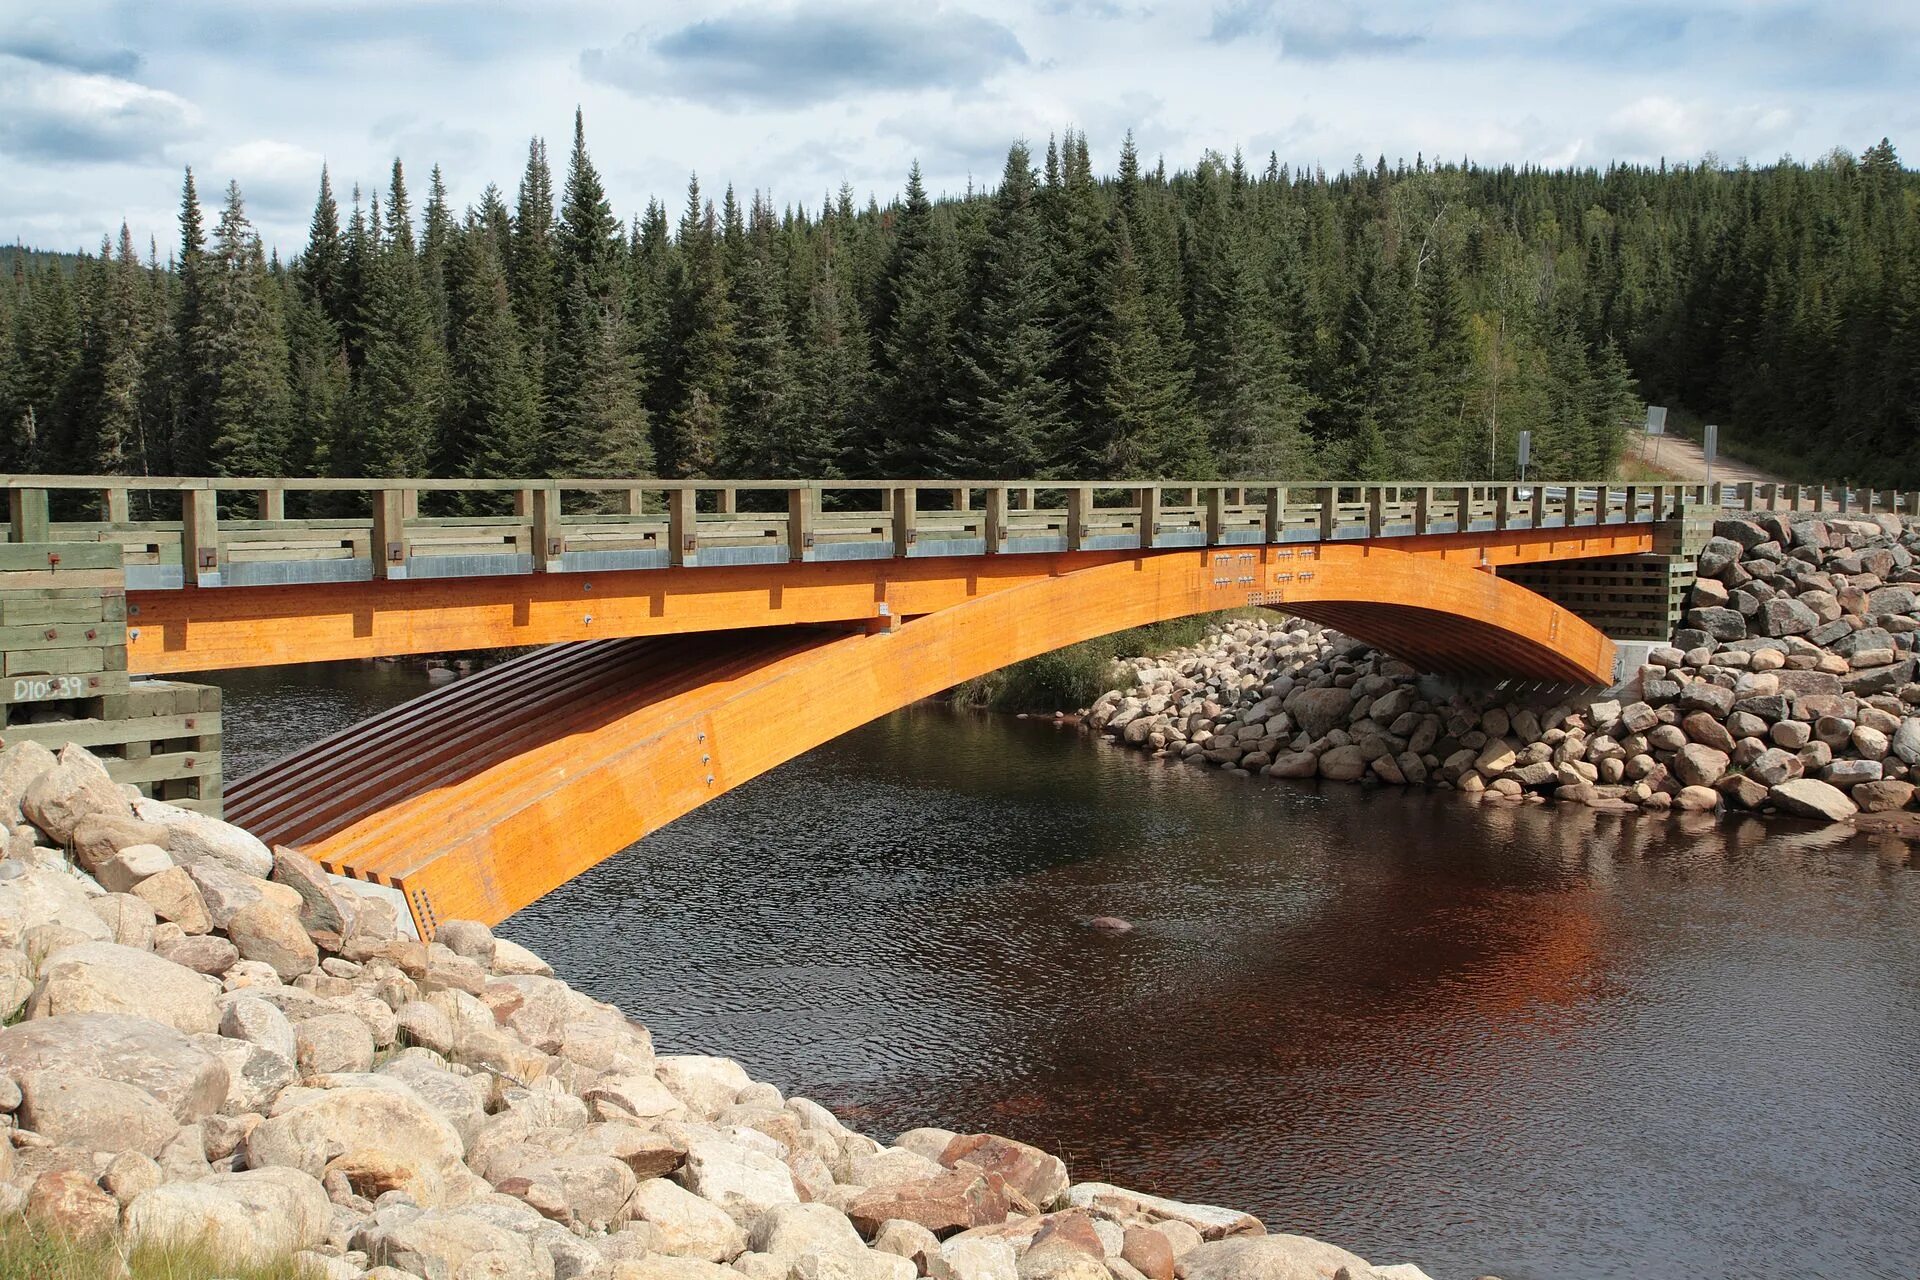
652 557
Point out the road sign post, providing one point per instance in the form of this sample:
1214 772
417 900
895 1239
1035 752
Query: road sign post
1526 453
1709 446
1656 427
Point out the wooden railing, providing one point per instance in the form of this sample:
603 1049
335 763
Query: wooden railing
236 532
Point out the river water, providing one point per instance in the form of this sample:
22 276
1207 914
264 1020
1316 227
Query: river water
1521 1041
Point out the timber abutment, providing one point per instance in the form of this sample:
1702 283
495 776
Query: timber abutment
1782 681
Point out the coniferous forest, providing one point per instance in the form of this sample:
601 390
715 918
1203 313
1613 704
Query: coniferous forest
1228 320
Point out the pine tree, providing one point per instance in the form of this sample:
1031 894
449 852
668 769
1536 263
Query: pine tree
1142 425
700 327
323 267
397 401
759 428
189 421
112 364
600 428
435 240
916 326
493 408
241 338
1009 412
533 278
1254 412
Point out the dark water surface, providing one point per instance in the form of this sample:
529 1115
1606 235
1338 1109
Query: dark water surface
1532 1042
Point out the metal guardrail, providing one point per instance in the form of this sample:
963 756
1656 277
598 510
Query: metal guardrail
596 525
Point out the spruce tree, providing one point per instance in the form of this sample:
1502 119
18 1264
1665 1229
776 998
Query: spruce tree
189 422
758 441
241 338
697 371
1141 425
394 420
1009 411
916 326
493 409
599 427
112 363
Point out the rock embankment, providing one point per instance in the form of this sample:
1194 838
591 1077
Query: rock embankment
210 1039
1790 688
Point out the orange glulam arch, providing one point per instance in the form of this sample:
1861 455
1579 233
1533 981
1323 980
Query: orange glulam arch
479 798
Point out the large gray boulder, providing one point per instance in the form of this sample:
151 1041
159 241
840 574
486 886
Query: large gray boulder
745 1183
94 1114
1812 798
20 764
686 1226
1698 765
321 1124
1276 1257
76 788
105 977
195 837
1319 711
256 1216
149 1055
451 1243
274 936
1906 741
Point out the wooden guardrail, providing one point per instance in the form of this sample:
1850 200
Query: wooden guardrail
236 532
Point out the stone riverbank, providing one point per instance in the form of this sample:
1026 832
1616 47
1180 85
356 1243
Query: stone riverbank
207 1038
1790 689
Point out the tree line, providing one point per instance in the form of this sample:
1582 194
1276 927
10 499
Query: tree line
1217 321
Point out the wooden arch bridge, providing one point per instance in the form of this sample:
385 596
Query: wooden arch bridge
696 634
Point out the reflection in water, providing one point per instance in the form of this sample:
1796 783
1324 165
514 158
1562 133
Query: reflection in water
1531 1041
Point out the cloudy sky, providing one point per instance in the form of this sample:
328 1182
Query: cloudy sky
103 101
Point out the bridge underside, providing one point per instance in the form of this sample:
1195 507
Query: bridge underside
479 798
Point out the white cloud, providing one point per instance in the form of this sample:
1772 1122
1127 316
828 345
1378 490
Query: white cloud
794 96
52 115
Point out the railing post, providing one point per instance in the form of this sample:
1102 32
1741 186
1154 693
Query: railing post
728 502
994 528
270 504
962 498
683 527
549 541
389 547
906 509
1216 514
1329 511
1376 510
409 504
1745 490
1463 509
1633 502
1276 514
117 507
633 502
1537 516
802 504
1846 500
1502 504
200 553
1149 499
27 516
1079 515
1422 507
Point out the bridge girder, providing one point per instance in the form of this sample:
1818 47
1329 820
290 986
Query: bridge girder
477 799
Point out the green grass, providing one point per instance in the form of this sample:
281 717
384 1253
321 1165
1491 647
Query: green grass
29 1253
1071 678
